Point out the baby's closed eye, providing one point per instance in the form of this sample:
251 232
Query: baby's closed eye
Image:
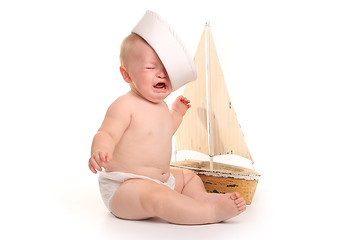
150 67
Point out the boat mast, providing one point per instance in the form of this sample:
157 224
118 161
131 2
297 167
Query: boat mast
209 95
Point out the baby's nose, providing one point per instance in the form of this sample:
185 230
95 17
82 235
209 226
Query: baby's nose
162 74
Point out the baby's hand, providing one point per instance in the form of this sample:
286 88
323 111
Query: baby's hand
99 160
181 105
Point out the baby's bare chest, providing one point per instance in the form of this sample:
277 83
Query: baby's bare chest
153 122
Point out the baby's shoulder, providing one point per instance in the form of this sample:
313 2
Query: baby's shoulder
127 98
121 104
123 100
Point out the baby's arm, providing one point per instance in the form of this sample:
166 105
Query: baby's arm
179 108
117 119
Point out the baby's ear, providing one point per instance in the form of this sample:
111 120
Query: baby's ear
125 74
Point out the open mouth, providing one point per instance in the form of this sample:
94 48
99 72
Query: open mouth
160 85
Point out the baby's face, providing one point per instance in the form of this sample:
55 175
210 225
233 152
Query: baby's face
148 75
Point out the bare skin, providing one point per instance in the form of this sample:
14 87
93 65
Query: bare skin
135 137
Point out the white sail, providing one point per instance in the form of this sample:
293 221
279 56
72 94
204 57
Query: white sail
225 135
193 131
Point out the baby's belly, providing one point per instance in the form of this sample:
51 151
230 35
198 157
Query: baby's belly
156 168
161 174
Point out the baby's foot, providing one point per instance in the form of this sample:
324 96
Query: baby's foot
239 201
228 205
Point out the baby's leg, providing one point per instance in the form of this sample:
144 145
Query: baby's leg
140 199
192 186
188 183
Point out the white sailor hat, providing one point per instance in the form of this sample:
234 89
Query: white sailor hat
169 47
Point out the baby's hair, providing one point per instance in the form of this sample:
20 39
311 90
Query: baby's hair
127 45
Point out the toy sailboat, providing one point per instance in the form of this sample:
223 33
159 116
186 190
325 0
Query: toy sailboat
210 127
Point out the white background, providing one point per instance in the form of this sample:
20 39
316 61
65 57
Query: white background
292 71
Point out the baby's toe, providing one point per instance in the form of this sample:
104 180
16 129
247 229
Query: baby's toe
241 200
235 195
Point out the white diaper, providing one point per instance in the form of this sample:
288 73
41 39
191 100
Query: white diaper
110 181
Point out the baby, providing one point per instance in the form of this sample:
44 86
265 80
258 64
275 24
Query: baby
133 145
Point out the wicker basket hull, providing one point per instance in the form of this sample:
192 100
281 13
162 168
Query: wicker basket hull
246 188
224 182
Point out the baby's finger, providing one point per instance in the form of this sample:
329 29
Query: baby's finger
102 156
103 163
92 168
95 164
108 157
185 100
96 157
